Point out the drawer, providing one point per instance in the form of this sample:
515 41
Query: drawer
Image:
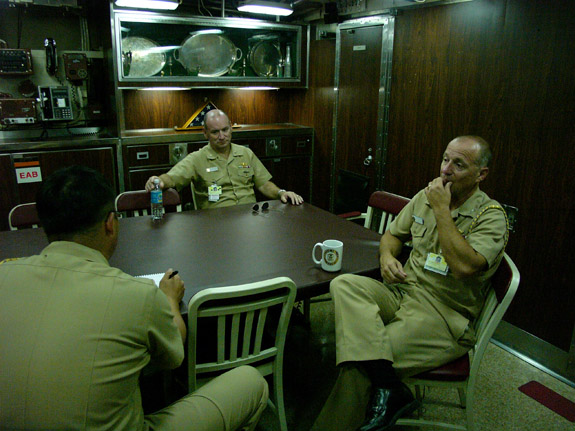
160 154
148 155
274 146
291 145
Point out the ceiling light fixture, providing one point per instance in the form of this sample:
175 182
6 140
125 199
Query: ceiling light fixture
265 7
149 4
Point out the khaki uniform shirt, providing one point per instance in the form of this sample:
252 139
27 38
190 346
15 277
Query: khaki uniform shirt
75 334
237 175
482 221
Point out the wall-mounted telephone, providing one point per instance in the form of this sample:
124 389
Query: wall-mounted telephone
76 67
51 56
55 103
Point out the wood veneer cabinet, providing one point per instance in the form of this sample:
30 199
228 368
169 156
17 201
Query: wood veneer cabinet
50 156
285 149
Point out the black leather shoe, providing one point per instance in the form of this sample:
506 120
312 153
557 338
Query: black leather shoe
387 406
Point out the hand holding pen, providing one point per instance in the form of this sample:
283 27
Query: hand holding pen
172 285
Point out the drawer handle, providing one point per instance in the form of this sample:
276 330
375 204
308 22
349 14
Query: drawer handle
143 155
301 144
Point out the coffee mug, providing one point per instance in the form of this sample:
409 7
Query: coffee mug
331 254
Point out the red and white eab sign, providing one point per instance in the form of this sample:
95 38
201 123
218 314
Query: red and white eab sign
28 172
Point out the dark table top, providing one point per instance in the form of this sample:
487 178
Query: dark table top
230 246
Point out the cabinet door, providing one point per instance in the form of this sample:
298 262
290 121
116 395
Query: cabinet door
290 173
9 196
100 159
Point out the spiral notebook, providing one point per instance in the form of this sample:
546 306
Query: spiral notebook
156 277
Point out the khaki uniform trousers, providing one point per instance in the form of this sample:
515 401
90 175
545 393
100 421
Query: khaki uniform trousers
376 321
235 400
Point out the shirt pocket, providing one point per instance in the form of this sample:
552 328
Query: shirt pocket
417 234
209 178
245 174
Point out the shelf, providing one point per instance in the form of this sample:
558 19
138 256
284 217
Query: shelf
158 50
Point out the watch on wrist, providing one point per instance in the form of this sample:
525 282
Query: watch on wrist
280 191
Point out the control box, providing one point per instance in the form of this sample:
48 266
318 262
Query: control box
55 103
17 111
75 66
16 62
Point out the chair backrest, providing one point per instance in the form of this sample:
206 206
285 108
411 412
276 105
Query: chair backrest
504 284
137 203
388 204
24 216
236 316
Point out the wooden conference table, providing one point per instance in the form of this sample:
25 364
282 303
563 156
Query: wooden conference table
229 246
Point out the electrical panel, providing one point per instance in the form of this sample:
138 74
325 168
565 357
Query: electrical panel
17 111
76 67
15 62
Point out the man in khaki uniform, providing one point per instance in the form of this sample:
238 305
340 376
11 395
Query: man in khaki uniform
76 333
420 317
223 173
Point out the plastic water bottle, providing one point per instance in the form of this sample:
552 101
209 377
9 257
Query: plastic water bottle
157 201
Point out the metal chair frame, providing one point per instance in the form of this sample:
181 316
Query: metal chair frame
242 313
462 373
24 216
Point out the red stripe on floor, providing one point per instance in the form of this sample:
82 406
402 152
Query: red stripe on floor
550 399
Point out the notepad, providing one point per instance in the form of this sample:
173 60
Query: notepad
156 277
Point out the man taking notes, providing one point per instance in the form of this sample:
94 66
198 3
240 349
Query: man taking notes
76 333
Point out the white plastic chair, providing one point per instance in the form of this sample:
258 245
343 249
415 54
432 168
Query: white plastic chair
240 314
461 374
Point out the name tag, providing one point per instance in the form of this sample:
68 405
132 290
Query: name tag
214 192
436 263
212 169
417 219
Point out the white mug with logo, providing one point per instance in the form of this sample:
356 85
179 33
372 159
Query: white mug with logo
331 254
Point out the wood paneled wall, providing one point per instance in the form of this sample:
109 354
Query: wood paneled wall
501 69
314 108
166 109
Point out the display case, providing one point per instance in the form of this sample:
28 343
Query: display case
153 49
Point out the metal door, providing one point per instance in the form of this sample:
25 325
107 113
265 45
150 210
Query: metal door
363 70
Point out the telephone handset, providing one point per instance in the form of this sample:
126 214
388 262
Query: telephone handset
51 56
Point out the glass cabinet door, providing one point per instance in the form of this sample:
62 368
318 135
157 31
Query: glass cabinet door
152 48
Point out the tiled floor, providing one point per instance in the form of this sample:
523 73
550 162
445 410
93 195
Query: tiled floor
309 373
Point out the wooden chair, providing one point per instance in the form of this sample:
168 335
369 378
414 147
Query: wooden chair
388 205
137 203
461 374
240 314
24 216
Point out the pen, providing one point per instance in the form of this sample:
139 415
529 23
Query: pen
173 274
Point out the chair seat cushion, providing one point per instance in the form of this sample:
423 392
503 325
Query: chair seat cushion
454 371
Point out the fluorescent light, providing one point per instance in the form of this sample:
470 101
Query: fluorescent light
265 7
208 31
149 4
164 88
256 88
